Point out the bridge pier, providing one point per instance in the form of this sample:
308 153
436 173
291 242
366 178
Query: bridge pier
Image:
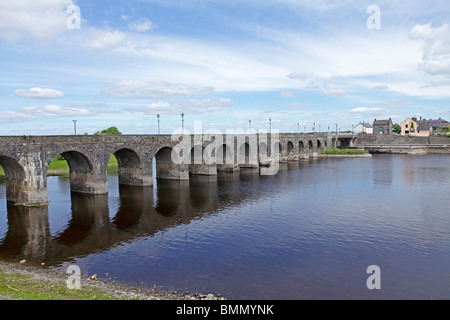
303 156
167 169
170 171
135 169
88 183
198 166
313 155
228 167
203 169
135 177
20 192
25 179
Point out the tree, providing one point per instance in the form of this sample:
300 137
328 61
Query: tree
110 130
397 128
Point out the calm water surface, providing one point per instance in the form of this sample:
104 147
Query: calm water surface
310 232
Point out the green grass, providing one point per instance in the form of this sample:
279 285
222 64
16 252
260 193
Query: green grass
19 286
61 167
345 151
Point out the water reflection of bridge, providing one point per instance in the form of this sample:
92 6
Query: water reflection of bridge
140 214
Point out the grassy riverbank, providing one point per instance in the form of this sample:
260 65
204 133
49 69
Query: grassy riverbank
24 287
345 151
60 167
19 281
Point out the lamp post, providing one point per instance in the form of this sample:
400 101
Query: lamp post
270 126
182 122
75 126
250 125
314 127
298 126
158 122
336 142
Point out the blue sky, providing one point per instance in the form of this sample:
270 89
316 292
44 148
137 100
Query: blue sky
220 62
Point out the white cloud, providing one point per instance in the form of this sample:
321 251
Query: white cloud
141 25
381 87
399 102
106 39
40 19
287 94
193 106
436 48
441 83
427 32
296 105
152 89
371 111
43 112
312 85
334 91
208 103
161 107
41 93
298 75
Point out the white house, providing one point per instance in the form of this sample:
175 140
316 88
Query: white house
363 127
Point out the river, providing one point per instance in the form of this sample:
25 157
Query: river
309 232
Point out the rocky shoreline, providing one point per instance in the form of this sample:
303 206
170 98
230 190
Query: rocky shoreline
116 290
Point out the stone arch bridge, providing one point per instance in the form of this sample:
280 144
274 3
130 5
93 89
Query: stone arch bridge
25 159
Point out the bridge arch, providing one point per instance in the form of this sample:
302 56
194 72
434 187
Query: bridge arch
129 165
225 158
301 146
166 168
83 176
263 150
244 154
290 147
244 151
310 146
13 169
15 179
164 155
319 144
127 158
78 162
278 148
197 153
198 165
